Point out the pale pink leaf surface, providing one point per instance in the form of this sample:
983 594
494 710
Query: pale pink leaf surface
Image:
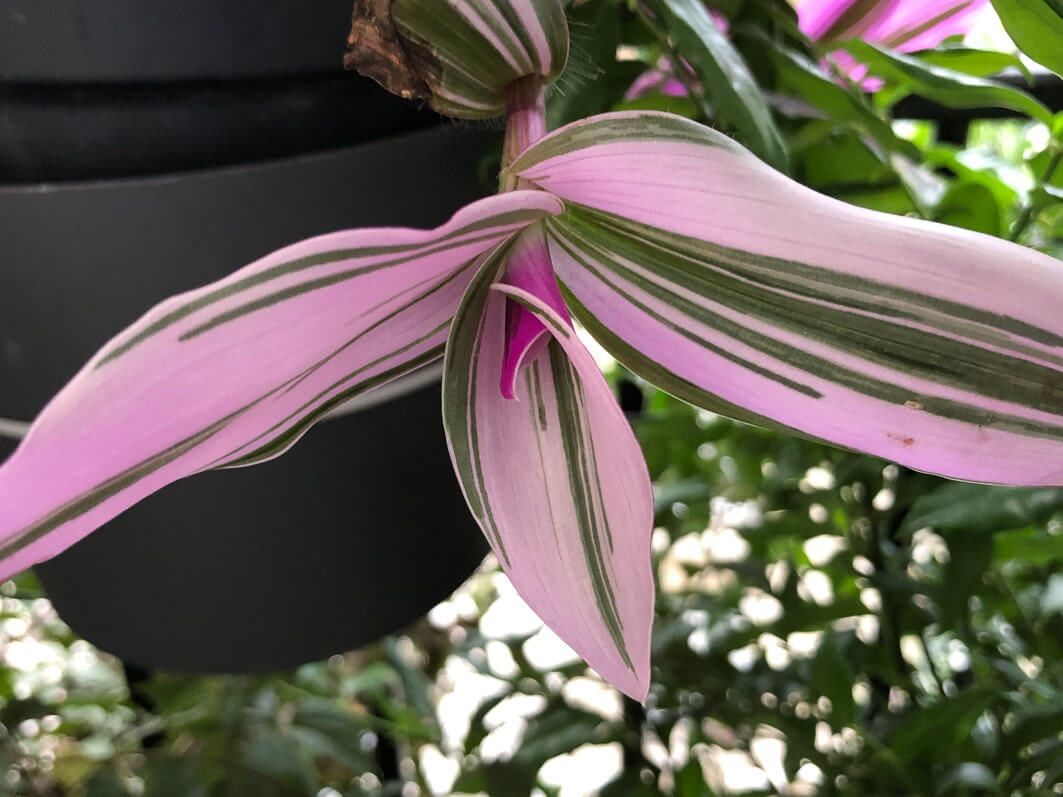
833 20
904 25
555 479
914 25
735 287
234 372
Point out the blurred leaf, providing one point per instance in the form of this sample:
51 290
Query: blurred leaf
72 770
971 206
1031 547
945 86
690 780
166 776
1036 26
326 729
969 775
736 98
274 765
502 778
376 677
477 730
561 729
416 686
1030 726
979 508
969 556
927 729
630 784
104 783
656 101
839 158
665 494
804 77
593 80
833 677
973 61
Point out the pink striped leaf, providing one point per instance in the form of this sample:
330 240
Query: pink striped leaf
736 288
233 373
831 20
554 477
913 25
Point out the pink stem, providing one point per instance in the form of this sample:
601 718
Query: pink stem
525 123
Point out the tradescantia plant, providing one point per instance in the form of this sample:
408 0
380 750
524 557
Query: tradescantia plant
697 265
901 25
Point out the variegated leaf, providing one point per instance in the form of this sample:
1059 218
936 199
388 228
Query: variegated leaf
554 477
730 285
469 51
233 373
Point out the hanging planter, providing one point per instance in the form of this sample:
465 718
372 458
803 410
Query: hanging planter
145 40
113 197
357 531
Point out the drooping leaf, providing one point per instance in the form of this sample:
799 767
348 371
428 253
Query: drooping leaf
735 96
731 286
945 86
233 373
554 477
841 105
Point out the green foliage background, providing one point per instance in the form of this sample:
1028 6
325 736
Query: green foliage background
883 631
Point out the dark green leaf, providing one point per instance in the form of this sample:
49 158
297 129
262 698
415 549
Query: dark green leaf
325 729
1030 726
593 80
945 86
972 61
735 96
969 556
173 777
807 80
980 508
927 729
971 206
833 677
273 762
104 783
415 684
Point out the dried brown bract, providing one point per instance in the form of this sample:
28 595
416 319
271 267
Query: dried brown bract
374 49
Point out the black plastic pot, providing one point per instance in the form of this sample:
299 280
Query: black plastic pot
150 40
355 532
147 148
